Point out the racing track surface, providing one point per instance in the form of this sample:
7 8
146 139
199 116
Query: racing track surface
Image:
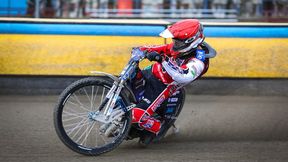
212 128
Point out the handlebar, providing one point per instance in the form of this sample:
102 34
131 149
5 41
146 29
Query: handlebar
139 55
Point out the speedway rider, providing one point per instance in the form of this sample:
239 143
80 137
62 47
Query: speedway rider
183 61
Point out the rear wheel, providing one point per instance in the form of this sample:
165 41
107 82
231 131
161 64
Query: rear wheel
77 118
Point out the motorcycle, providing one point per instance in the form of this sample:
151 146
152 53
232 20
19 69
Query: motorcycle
93 115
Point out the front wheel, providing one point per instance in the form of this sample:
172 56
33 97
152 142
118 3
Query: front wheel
75 118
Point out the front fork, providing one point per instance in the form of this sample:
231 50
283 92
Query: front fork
110 101
113 94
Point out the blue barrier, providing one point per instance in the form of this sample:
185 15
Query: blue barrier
81 29
247 32
138 29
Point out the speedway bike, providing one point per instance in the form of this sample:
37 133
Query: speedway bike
93 115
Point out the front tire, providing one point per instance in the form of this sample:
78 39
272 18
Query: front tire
73 122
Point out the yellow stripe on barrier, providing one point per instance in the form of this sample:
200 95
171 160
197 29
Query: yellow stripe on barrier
78 55
250 57
66 55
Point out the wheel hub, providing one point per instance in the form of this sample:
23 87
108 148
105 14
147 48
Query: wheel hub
93 115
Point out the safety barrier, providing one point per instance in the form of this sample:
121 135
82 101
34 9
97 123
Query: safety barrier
69 47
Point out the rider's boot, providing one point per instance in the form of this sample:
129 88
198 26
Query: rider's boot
145 121
146 138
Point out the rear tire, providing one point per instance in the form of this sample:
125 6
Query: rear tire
75 103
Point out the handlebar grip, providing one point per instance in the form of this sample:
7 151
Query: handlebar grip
145 53
158 58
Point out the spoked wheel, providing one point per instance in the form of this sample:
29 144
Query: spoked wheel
79 122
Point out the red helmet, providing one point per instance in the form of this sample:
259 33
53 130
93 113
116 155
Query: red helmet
186 35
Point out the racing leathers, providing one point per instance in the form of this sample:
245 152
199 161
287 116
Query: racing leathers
160 74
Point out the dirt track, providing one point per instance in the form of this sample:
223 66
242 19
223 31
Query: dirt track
212 128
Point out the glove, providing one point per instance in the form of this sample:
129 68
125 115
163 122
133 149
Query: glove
154 56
